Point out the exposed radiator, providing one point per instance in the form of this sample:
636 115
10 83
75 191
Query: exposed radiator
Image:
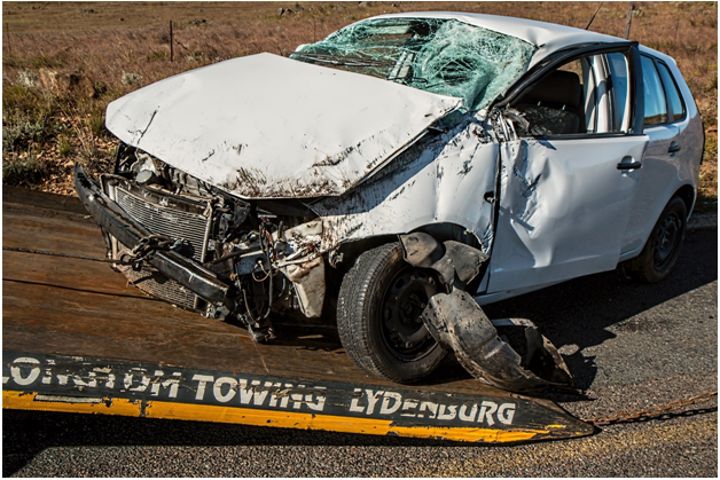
190 223
174 217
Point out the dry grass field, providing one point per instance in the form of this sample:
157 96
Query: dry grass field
63 62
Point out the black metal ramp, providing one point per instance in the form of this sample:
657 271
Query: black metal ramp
76 338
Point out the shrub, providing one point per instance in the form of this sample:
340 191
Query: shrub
96 122
29 116
64 146
130 78
21 132
25 170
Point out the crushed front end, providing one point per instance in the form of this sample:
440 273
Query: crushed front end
186 242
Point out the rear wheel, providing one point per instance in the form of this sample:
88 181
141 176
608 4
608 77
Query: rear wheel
380 304
663 246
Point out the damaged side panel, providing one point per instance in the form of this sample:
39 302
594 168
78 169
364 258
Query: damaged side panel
442 180
456 176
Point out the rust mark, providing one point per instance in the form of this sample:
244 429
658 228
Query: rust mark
351 230
249 181
336 159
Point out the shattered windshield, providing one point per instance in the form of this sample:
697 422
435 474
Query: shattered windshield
442 56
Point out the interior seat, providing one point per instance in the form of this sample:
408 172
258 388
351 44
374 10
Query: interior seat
554 105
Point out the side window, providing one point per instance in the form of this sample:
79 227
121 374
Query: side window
677 107
585 96
654 96
555 105
619 91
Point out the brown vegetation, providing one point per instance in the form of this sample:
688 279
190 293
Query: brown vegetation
63 62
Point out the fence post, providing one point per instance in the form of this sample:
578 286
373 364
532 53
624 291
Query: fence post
631 10
172 49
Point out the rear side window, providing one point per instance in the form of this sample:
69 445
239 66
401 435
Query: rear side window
677 108
654 96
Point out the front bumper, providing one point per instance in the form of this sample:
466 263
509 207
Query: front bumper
185 271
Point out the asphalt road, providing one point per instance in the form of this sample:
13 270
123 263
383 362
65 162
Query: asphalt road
632 346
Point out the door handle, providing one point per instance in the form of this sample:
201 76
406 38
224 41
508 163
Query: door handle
674 147
628 163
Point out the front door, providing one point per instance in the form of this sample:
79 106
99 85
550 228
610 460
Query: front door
569 179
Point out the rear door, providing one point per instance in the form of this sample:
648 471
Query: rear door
569 180
665 116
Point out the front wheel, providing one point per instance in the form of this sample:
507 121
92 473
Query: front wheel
663 246
380 303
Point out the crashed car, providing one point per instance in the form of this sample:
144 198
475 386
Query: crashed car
399 174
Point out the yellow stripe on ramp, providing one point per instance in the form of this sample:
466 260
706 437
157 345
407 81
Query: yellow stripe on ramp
28 401
258 417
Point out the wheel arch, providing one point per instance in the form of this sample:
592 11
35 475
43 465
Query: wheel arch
688 195
349 251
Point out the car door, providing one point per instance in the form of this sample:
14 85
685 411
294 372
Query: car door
664 119
569 179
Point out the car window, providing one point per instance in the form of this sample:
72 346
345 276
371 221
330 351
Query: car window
677 108
654 95
619 89
582 67
561 103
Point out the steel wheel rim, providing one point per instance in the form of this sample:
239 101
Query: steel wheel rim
403 331
667 240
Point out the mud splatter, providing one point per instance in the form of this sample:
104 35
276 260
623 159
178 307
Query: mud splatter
466 167
210 154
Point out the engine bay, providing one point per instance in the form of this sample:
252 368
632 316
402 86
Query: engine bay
248 244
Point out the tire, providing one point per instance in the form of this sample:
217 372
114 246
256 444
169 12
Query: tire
662 249
378 316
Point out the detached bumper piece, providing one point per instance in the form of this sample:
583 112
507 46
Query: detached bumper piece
510 354
173 265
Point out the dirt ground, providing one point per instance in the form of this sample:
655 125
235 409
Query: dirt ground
63 62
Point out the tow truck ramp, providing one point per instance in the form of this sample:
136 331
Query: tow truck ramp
76 338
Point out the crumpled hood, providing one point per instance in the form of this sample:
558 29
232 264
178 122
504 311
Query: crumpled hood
265 126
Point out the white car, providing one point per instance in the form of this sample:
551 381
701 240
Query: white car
395 171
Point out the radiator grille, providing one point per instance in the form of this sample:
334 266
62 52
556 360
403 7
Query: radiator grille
163 215
176 223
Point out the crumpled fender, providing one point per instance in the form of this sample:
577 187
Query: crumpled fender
453 259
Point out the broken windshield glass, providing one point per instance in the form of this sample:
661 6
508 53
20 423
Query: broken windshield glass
442 56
